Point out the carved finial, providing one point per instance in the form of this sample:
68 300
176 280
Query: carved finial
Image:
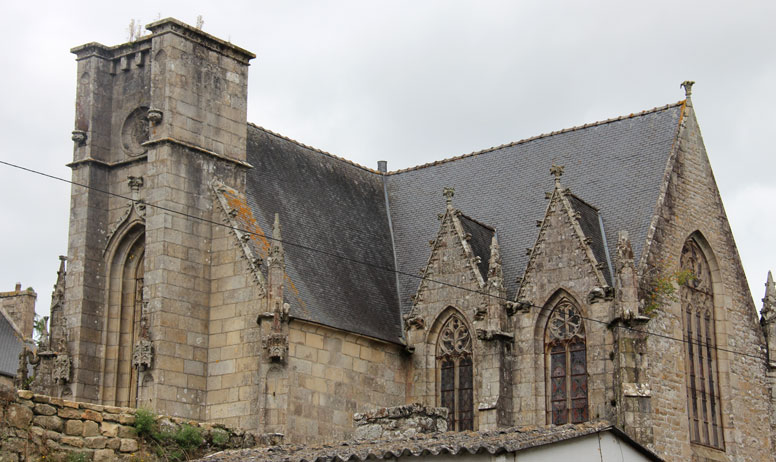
276 250
495 273
448 192
557 172
687 85
624 248
769 301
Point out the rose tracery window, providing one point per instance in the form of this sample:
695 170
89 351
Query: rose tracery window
697 299
566 365
454 363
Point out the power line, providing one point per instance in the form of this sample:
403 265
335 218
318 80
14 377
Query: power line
373 265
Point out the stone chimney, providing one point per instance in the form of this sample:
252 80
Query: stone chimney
19 306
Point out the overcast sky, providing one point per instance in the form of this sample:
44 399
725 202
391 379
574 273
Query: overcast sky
411 82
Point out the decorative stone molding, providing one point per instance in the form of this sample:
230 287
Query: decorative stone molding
143 355
61 371
638 390
600 294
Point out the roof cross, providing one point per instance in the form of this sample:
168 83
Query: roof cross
557 172
448 192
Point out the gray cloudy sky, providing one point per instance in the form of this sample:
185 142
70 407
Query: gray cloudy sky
412 82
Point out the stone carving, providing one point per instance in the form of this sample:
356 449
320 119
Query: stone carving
135 211
61 372
600 294
769 301
687 85
134 132
143 355
454 340
154 116
79 137
277 346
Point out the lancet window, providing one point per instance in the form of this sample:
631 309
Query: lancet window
697 301
454 365
566 365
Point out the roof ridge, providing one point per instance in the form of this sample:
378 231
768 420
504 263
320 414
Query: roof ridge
538 137
478 222
312 148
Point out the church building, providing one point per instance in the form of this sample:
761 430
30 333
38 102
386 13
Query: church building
221 272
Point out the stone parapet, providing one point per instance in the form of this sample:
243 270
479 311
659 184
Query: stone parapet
400 422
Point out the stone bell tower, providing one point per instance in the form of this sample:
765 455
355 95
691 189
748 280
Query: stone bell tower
156 120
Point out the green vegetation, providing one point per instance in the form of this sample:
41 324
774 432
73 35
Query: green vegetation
663 286
170 442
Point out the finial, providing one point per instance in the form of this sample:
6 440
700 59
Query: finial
557 172
770 290
135 183
687 85
448 192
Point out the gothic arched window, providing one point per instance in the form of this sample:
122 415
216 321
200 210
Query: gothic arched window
454 365
703 403
566 365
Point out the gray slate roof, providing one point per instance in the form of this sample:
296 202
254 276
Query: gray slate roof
334 206
10 346
508 440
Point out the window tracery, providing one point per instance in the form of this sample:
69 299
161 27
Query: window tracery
566 365
697 301
455 365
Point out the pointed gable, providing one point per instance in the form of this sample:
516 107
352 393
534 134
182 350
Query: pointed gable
563 254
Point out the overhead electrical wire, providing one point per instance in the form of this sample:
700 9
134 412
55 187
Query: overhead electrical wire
373 265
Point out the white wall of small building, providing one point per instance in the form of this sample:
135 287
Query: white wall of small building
600 447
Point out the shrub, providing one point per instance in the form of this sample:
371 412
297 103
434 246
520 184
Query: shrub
145 423
219 437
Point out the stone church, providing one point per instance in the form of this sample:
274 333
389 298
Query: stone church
222 272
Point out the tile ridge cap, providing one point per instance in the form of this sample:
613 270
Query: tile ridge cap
314 149
538 137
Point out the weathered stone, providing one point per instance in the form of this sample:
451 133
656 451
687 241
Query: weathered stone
109 429
49 422
125 431
25 394
89 414
74 427
69 413
18 416
74 441
126 419
96 442
44 409
104 455
114 443
128 445
91 428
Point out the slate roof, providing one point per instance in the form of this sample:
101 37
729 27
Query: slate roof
333 215
455 443
11 345
481 237
339 209
617 166
590 223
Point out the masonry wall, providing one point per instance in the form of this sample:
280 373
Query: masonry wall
331 375
691 203
19 305
37 427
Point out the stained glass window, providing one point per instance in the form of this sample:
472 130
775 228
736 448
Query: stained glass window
454 361
567 365
697 299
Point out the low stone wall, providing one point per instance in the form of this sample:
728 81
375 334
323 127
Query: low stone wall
400 422
40 428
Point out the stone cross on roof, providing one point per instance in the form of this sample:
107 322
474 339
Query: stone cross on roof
557 172
448 192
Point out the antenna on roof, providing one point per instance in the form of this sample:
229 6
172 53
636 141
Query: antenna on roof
687 85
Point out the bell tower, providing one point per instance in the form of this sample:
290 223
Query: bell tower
156 120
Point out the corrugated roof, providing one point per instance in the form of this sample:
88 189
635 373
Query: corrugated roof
11 345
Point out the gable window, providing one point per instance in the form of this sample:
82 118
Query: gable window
697 301
454 365
566 365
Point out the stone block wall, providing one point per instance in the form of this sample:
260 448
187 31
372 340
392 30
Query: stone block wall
37 427
19 305
331 375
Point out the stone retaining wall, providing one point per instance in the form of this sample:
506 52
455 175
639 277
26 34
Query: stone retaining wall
40 428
